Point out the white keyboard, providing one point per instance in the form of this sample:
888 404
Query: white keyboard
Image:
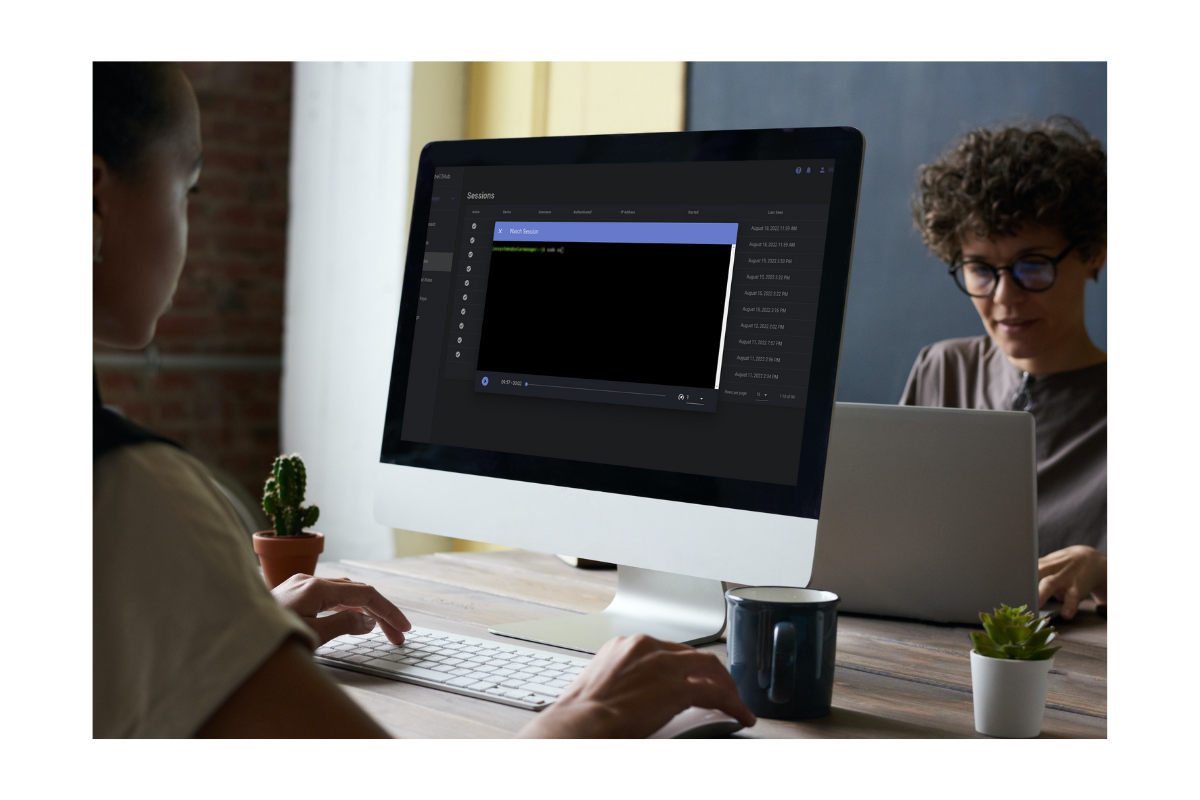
505 673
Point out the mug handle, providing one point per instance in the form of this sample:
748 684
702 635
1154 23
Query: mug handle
783 663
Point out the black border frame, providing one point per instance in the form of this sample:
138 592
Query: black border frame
845 145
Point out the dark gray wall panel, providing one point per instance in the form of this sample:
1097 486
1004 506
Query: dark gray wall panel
900 296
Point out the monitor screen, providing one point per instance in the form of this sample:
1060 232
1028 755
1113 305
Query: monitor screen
648 328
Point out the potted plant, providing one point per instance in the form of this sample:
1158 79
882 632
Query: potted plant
1010 666
289 549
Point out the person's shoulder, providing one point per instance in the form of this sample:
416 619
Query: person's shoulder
150 467
945 372
967 351
157 486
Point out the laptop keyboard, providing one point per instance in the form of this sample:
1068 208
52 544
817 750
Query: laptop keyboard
483 668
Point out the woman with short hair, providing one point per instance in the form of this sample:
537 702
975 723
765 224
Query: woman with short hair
187 640
1019 214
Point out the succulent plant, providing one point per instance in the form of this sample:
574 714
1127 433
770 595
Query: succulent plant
1014 633
283 495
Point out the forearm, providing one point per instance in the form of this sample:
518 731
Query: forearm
289 697
569 719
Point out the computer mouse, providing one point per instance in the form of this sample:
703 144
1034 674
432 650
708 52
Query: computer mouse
698 723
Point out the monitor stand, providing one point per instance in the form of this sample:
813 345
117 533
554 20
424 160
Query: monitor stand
674 608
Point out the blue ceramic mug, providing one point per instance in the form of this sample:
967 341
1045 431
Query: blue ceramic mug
782 644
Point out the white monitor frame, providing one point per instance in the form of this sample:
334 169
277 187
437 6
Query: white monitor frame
674 556
721 544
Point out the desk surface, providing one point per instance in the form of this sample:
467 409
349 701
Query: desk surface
894 679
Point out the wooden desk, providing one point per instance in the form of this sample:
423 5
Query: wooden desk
894 679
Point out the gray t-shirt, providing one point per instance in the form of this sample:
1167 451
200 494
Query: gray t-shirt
1070 411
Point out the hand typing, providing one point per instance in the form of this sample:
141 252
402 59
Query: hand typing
634 686
1070 575
308 596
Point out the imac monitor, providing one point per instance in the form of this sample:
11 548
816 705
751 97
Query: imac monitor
625 348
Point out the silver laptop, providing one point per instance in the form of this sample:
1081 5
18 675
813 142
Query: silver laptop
928 513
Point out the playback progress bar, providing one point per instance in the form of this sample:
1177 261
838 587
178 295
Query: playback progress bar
684 398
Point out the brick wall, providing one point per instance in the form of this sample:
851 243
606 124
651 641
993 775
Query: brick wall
230 297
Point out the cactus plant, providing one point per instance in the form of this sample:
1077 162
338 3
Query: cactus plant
1014 633
283 495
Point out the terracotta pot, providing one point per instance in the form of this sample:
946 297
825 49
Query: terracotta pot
284 556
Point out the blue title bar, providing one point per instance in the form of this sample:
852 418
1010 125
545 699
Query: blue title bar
630 232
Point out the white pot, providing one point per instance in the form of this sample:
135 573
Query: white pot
1010 695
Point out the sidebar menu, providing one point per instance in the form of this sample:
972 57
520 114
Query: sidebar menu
436 281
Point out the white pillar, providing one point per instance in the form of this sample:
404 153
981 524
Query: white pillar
345 262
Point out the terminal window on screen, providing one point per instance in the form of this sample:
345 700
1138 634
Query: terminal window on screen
613 312
658 316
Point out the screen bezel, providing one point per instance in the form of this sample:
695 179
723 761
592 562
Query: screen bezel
845 145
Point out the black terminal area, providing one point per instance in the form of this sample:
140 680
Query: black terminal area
639 313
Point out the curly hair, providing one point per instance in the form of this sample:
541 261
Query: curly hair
994 181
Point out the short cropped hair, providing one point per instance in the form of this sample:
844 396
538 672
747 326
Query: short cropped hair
131 107
994 181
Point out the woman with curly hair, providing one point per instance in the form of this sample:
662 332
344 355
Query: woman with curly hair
1019 214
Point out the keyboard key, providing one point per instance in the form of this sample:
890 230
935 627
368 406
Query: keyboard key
404 669
495 690
481 685
540 689
460 682
460 671
504 673
512 684
359 659
441 668
558 684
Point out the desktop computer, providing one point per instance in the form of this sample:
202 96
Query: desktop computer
625 348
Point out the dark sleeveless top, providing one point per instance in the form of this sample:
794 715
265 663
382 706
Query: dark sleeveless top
110 430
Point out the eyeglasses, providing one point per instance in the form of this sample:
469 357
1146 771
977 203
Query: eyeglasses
1033 273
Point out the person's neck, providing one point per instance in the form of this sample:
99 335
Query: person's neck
1077 355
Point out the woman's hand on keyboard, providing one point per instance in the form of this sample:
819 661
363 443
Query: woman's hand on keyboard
308 596
634 686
